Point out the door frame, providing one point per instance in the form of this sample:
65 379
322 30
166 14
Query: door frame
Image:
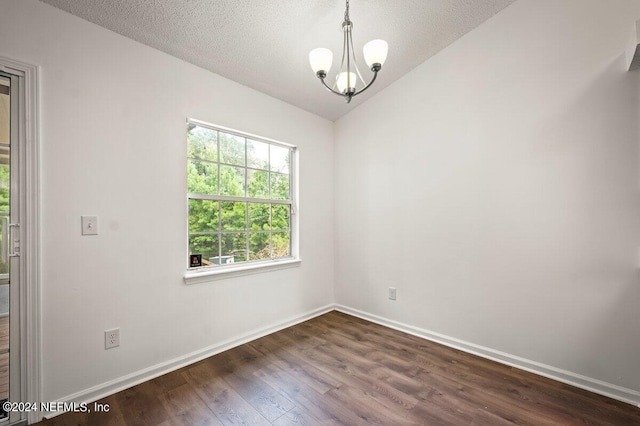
29 219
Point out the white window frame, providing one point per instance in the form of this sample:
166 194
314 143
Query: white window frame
209 273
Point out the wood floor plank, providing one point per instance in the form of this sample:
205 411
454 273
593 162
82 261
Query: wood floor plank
141 404
295 364
340 370
186 408
295 417
325 410
221 398
238 372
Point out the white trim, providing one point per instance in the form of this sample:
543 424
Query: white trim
196 276
125 382
610 390
30 309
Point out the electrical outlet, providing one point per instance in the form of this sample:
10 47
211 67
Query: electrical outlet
392 293
111 338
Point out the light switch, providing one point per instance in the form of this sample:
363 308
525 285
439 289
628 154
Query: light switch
89 225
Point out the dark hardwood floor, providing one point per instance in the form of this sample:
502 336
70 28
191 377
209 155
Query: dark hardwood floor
337 369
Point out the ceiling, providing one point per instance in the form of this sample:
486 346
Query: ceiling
264 44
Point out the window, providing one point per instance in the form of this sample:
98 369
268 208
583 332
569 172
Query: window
240 194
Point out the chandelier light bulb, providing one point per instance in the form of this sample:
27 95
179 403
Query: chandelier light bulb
320 59
346 82
375 52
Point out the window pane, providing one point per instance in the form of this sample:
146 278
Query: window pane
280 214
235 246
203 216
279 186
202 178
231 149
232 181
259 216
258 184
202 143
257 155
279 159
233 215
259 247
206 245
281 244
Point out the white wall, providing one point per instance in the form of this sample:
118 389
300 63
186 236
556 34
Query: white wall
113 145
496 186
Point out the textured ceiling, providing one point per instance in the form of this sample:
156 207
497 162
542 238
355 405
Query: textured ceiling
264 44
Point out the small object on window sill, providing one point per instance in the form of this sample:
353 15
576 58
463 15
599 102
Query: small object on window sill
195 260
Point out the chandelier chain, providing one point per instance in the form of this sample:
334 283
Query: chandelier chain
346 12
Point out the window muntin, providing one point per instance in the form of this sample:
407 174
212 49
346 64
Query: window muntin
240 196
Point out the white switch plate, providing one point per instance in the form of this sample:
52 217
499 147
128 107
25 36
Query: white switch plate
89 225
392 293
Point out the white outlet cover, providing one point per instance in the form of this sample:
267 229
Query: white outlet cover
111 338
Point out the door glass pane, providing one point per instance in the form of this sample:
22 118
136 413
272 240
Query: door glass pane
5 188
4 341
4 366
5 116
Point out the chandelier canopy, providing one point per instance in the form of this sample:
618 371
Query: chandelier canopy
346 82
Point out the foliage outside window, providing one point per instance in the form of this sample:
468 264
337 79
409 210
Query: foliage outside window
240 196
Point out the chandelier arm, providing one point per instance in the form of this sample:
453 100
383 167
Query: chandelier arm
344 51
329 88
355 61
375 75
348 40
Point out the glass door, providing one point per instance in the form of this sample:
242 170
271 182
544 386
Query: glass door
9 249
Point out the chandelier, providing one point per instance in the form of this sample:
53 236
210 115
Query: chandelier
375 53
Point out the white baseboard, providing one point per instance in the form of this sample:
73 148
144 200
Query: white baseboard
108 388
619 393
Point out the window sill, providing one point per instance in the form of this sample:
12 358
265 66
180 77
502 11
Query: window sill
196 276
